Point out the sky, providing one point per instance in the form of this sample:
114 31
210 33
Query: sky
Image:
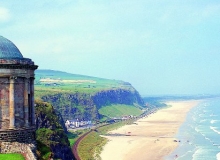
160 47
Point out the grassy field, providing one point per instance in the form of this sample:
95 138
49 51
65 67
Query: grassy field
12 156
49 81
119 110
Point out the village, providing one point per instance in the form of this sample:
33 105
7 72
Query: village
82 124
77 124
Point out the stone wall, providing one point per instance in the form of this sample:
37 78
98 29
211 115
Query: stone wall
22 136
19 141
25 149
4 102
22 100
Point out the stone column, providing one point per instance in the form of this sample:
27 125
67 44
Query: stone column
26 112
11 103
32 101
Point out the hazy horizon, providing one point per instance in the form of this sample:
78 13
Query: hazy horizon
166 47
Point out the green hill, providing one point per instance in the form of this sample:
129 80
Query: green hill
82 97
57 81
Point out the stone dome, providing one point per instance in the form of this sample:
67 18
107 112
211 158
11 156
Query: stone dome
8 50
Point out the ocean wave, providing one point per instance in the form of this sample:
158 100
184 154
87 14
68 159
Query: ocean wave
214 129
218 156
203 152
208 139
213 121
197 130
203 134
185 154
197 153
203 120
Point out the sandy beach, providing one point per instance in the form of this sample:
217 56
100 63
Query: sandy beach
151 138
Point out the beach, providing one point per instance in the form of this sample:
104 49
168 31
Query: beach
149 138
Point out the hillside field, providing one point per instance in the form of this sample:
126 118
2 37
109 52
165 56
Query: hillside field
119 110
49 81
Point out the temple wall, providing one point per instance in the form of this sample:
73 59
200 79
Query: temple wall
21 93
4 103
19 102
17 122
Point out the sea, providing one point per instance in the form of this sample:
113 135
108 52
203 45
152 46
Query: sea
199 135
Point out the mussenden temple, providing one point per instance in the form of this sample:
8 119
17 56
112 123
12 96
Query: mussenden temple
17 112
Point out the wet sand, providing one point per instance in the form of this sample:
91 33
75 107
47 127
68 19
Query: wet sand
151 138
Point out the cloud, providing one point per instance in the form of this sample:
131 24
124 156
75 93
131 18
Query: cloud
4 14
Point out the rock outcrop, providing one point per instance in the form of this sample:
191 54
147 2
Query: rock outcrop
52 141
117 96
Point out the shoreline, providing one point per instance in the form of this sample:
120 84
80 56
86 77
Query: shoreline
151 137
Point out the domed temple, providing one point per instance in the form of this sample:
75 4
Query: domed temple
17 113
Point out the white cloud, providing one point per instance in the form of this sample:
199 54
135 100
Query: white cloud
4 14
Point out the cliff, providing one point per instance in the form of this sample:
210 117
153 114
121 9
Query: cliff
81 97
52 142
117 96
86 106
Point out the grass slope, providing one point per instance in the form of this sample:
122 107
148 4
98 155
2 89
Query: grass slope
47 81
73 136
91 146
12 156
119 110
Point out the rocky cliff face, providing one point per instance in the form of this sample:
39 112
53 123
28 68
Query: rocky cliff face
85 106
118 96
52 142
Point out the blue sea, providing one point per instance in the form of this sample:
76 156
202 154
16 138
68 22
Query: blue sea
199 135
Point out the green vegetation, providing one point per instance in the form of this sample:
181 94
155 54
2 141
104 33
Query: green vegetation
12 156
50 132
43 151
49 81
119 110
73 136
80 97
44 108
90 147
